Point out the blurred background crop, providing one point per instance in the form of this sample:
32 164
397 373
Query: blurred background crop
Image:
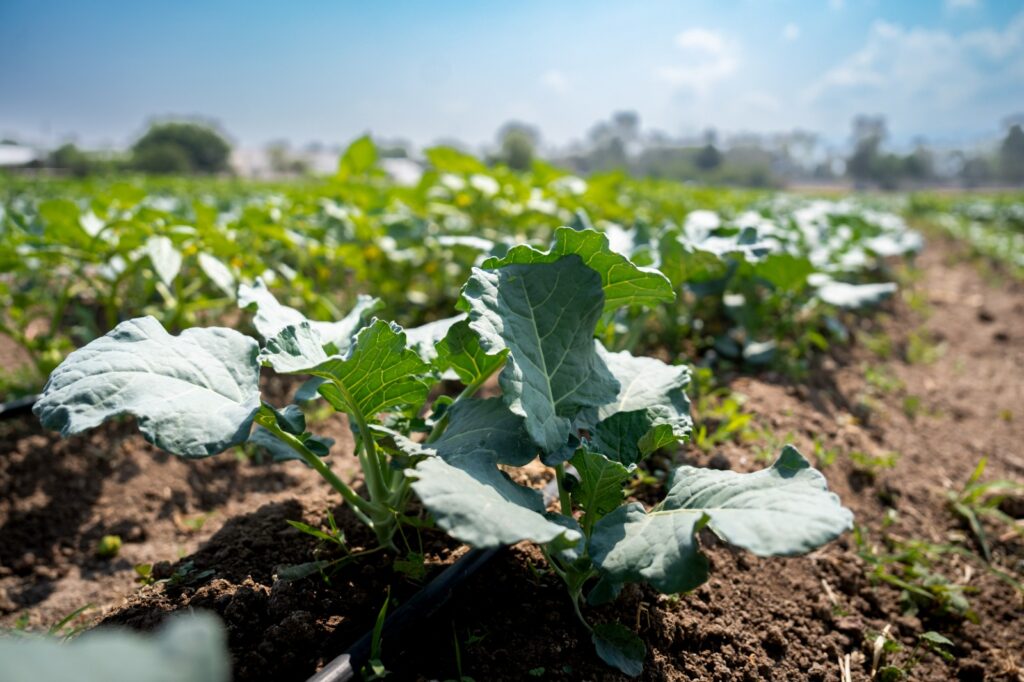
764 94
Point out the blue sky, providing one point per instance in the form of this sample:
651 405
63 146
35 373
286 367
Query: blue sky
310 70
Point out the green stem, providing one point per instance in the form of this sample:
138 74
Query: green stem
563 494
468 392
369 459
362 508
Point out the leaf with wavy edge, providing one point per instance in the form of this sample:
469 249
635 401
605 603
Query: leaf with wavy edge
624 283
193 395
783 510
544 316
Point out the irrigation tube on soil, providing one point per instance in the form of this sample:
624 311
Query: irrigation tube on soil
421 606
17 407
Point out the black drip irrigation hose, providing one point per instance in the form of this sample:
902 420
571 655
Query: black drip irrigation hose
17 407
421 606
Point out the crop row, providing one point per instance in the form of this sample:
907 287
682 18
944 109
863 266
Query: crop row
561 290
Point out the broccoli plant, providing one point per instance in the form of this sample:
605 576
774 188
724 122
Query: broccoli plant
593 415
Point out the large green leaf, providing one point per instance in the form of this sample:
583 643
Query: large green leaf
624 283
473 425
461 351
783 510
378 373
475 502
660 547
189 648
544 315
272 317
487 425
193 395
650 411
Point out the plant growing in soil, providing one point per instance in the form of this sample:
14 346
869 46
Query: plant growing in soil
591 414
594 415
197 394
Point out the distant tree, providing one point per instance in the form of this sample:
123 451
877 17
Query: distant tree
708 158
181 147
70 158
518 142
1011 155
919 165
977 170
868 134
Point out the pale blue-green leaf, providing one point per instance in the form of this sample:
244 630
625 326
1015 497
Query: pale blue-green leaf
189 648
599 490
632 545
271 316
296 349
544 315
193 395
650 411
475 502
478 424
783 510
279 451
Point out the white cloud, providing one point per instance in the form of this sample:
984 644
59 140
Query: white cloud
791 32
707 58
555 81
915 69
961 4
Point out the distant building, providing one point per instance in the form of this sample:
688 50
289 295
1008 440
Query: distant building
17 156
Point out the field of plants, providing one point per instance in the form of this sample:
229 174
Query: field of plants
499 425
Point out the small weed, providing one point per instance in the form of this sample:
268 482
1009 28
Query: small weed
929 641
108 546
825 457
923 350
917 301
770 444
721 413
977 501
873 464
879 344
911 566
413 566
880 379
375 669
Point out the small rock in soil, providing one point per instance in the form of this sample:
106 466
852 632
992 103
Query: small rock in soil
774 642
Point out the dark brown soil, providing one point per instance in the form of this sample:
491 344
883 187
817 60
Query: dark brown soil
950 392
